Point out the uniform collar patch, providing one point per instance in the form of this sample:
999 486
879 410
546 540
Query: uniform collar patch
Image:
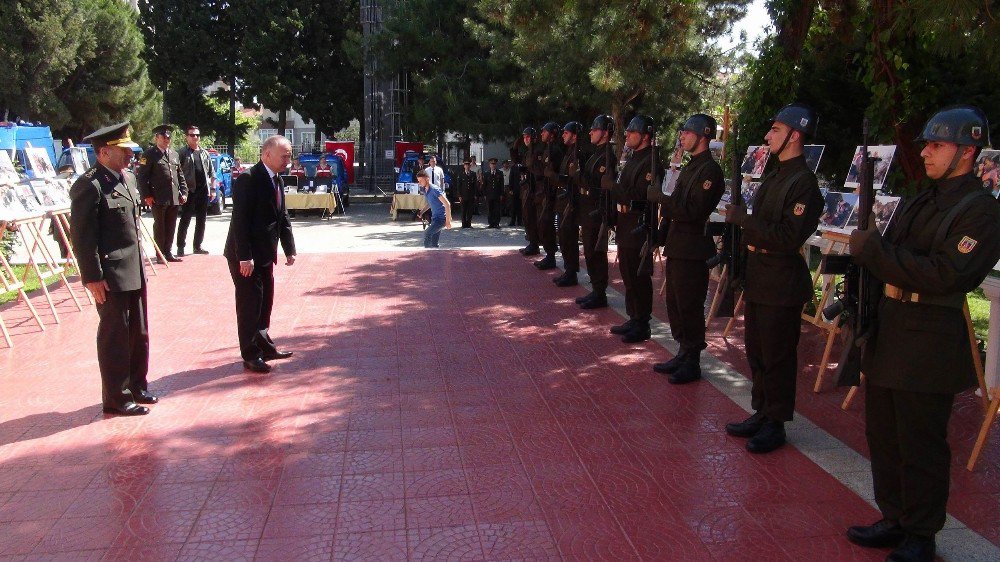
707 185
799 209
966 244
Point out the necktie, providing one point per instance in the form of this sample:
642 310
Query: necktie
277 192
432 177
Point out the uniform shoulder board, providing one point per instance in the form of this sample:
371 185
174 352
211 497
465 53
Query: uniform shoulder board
89 174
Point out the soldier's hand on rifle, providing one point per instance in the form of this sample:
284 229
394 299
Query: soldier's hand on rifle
736 214
653 193
859 238
607 182
571 170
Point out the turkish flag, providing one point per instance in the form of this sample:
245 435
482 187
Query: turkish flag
402 147
344 149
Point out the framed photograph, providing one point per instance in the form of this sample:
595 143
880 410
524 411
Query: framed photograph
27 198
78 157
51 195
813 154
750 193
38 161
883 211
883 154
10 205
755 161
837 211
8 173
988 170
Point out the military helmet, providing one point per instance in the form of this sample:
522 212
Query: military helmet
551 127
574 127
529 131
701 124
959 124
643 124
800 117
604 123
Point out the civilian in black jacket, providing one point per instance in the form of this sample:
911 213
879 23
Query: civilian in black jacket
259 222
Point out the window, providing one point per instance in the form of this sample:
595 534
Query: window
307 138
262 134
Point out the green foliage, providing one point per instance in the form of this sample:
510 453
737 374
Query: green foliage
8 241
74 65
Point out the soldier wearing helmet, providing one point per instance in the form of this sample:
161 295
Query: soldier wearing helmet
687 209
547 159
942 243
529 214
594 208
629 193
566 203
777 282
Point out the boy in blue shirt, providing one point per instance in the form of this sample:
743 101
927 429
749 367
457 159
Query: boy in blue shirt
440 210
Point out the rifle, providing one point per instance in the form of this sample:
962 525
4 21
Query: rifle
646 260
731 254
857 297
605 199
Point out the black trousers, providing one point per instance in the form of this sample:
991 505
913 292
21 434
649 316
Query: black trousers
493 211
687 284
908 438
772 341
546 224
529 214
164 225
197 207
515 210
569 239
638 288
122 346
596 259
254 300
468 209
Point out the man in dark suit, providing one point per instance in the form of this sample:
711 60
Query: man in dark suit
493 186
468 185
162 185
259 222
199 176
105 231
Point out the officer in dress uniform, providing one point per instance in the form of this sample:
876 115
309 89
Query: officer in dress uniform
493 186
941 245
105 232
700 186
547 159
468 185
162 186
629 194
594 206
567 203
529 215
777 280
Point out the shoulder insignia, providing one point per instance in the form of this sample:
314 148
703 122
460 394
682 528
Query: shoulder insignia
142 160
708 185
649 176
966 244
602 169
799 209
89 174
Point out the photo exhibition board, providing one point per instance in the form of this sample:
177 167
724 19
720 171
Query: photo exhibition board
988 170
755 161
38 161
883 154
813 154
8 173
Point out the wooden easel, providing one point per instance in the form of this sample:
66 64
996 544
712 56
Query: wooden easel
60 222
984 431
12 283
38 249
145 235
838 244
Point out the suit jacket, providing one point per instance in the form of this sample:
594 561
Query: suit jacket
187 157
259 221
160 177
104 229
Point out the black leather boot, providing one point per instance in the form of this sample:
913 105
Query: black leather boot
623 328
770 437
881 534
748 427
568 279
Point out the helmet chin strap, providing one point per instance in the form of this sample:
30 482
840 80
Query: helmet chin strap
954 162
784 143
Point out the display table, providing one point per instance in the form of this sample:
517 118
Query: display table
406 201
325 201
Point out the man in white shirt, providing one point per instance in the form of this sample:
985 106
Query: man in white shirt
435 174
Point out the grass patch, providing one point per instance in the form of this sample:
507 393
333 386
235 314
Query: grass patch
32 283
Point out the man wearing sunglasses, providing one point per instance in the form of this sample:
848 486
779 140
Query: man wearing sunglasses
199 175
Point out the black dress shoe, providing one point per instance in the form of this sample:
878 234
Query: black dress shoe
623 328
529 250
585 298
914 549
568 280
180 252
174 259
144 397
548 262
277 355
881 534
560 278
257 365
201 251
599 301
130 409
748 427
689 371
670 367
639 333
770 437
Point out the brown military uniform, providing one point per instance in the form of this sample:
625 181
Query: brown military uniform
160 176
529 214
593 198
629 194
920 356
547 159
777 282
567 208
700 186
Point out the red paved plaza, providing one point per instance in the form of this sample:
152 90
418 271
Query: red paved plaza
450 405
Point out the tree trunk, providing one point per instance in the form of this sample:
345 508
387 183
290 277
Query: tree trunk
232 116
793 27
282 119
